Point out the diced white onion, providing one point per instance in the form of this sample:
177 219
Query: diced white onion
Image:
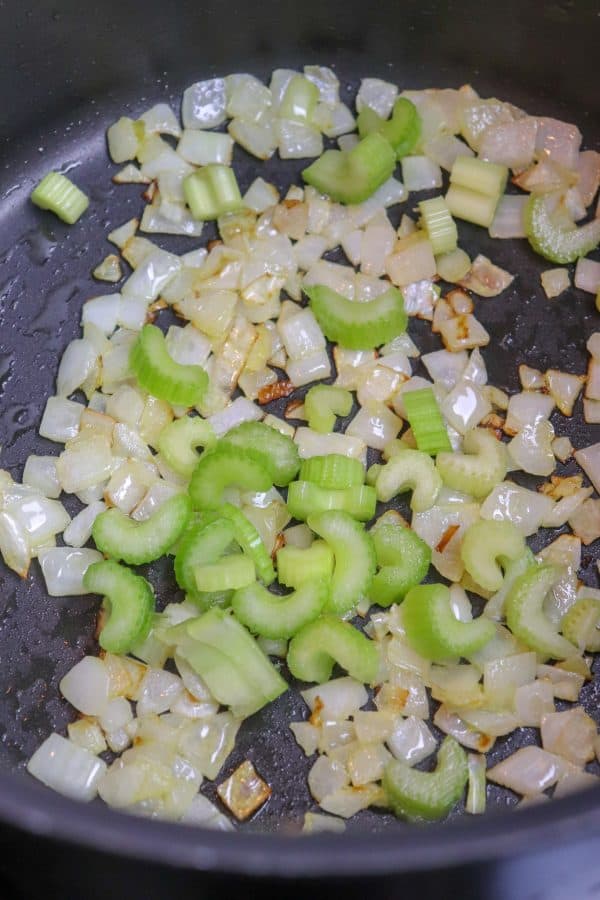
204 104
60 420
524 508
152 275
411 740
376 427
530 770
508 220
63 569
587 275
420 173
377 95
157 692
336 699
79 530
86 686
67 768
313 443
40 473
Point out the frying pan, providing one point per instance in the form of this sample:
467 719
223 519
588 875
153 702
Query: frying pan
67 70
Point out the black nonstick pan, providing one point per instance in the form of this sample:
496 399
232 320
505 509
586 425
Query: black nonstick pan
67 70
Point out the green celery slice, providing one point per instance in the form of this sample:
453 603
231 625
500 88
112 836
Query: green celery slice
316 647
276 452
479 469
479 175
202 544
485 545
250 541
129 600
409 470
277 617
118 536
439 225
525 614
404 560
358 326
295 565
580 624
305 498
354 554
426 421
299 100
402 130
159 374
226 574
413 794
351 176
333 471
224 466
554 241
177 443
322 403
432 629
58 194
212 191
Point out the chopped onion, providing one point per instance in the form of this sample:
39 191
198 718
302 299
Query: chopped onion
67 768
465 406
555 281
411 740
60 420
326 777
420 173
315 823
525 509
532 702
589 460
511 144
527 409
508 219
202 812
450 723
14 545
204 104
152 275
63 569
486 279
559 142
444 150
531 448
587 275
377 95
376 427
570 734
157 692
40 473
337 699
86 686
313 443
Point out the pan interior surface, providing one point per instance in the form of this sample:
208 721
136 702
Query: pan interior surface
68 72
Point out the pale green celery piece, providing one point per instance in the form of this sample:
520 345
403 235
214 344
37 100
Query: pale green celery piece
354 554
277 617
581 624
58 194
479 469
212 191
433 630
116 535
486 546
226 574
178 441
525 614
323 403
410 470
315 649
413 794
295 565
552 239
129 601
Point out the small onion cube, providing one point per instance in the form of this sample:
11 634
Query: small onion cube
530 770
204 104
67 768
40 473
86 686
63 569
60 420
411 740
377 95
420 173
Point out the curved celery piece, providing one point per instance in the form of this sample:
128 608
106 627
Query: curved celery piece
159 374
426 421
486 546
432 629
295 565
202 544
118 536
494 608
413 794
479 469
358 326
333 471
58 194
226 574
351 176
322 403
580 624
250 541
276 452
129 601
226 656
205 600
177 443
276 617
410 470
226 466
402 130
316 647
354 555
373 474
525 614
554 241
305 498
404 560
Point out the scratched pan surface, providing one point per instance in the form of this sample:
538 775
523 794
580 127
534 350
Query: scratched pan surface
68 73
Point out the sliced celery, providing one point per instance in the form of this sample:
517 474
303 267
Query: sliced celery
351 176
226 656
552 239
432 629
275 451
413 794
129 601
277 617
116 535
322 403
402 130
479 469
202 544
439 225
488 545
358 326
479 175
177 443
525 614
333 471
226 466
305 498
426 421
580 624
472 206
250 541
159 374
404 560
295 565
316 647
299 100
212 191
227 574
409 470
354 555
58 194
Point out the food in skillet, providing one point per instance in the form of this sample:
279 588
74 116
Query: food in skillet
283 531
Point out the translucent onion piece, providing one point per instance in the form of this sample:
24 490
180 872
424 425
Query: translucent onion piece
86 686
336 699
63 569
67 768
530 770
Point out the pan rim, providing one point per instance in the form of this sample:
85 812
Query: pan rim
39 812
